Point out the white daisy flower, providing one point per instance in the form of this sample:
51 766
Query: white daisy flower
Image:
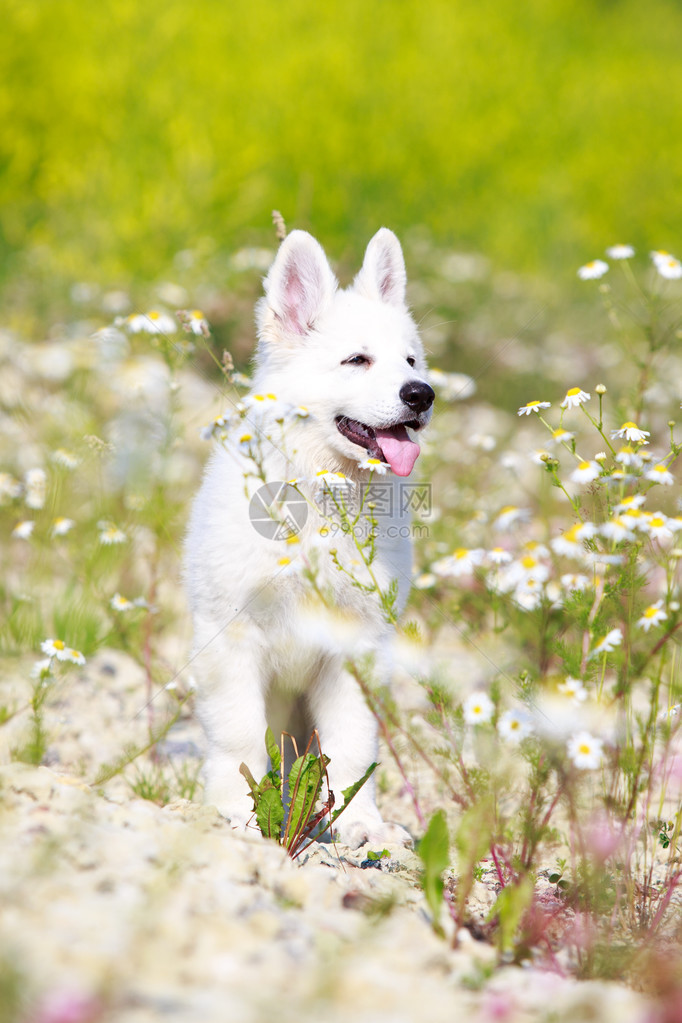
9 487
574 398
617 529
65 458
561 436
35 486
23 530
659 256
539 456
197 322
110 533
452 386
41 669
528 594
620 252
633 501
635 517
570 541
629 457
61 526
153 322
574 581
574 688
585 751
510 516
259 401
592 270
535 549
74 656
586 472
657 527
119 603
670 268
460 562
374 465
533 406
608 643
333 480
58 648
425 581
631 432
478 709
652 616
659 474
499 556
515 725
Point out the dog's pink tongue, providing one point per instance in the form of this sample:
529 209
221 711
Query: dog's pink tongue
399 451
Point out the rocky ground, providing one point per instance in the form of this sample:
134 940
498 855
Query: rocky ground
115 908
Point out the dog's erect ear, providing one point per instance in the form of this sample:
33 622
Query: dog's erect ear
383 271
300 283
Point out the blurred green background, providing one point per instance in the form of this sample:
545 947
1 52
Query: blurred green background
535 133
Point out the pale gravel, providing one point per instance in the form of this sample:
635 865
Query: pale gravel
167 914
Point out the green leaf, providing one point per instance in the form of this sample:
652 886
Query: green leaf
434 852
270 813
352 790
273 750
253 784
378 855
509 907
305 783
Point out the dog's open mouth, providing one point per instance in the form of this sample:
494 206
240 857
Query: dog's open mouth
391 445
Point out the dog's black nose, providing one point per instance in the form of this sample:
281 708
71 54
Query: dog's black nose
418 395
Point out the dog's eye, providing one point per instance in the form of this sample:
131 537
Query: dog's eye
410 360
357 360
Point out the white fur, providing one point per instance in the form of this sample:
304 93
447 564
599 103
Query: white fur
255 626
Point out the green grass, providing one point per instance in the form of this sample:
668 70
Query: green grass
535 134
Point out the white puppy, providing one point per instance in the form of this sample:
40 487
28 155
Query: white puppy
339 378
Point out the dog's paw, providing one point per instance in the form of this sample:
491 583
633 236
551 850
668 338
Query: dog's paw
377 833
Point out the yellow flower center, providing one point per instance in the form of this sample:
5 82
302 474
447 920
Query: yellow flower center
660 468
58 644
657 521
651 612
584 748
584 465
575 390
245 437
461 552
508 508
629 426
571 534
197 314
154 315
530 404
284 561
528 561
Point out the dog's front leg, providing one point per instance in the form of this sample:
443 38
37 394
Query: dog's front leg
231 709
348 736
